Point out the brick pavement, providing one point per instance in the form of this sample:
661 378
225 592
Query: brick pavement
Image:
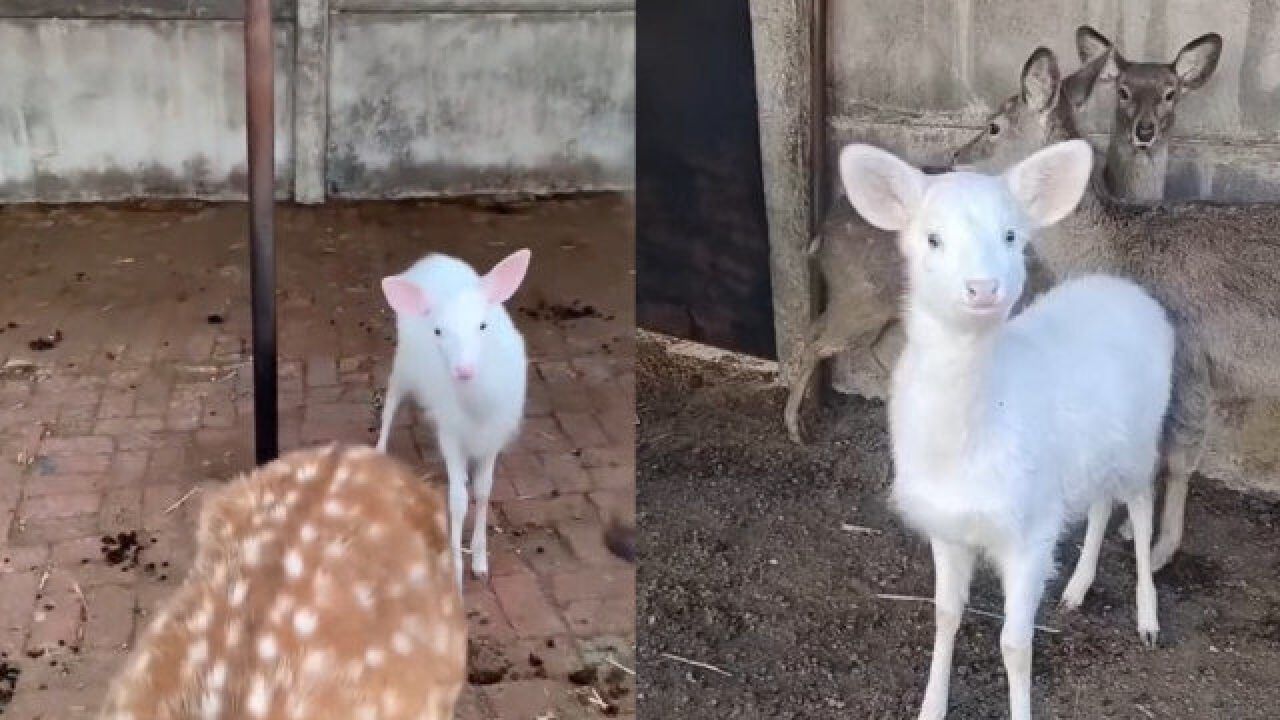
143 406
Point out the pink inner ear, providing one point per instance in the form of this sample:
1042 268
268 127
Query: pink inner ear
505 277
405 297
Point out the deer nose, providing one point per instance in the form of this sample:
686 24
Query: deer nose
982 291
1145 131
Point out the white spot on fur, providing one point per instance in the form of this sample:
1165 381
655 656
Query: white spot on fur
335 549
267 647
401 643
218 675
304 621
367 712
292 498
390 702
253 550
199 622
308 533
316 663
259 698
418 574
374 656
210 705
306 472
333 508
364 595
376 531
279 512
282 605
293 564
239 589
199 652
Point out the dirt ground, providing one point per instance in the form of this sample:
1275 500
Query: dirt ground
764 560
126 398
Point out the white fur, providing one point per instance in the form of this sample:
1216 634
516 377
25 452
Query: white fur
1005 430
474 420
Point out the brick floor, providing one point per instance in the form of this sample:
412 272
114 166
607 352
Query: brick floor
144 406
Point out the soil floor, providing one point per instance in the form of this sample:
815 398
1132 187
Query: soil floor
765 559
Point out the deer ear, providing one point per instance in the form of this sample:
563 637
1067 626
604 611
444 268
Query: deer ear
1197 60
405 297
505 277
1091 44
884 190
1040 79
1049 184
1078 87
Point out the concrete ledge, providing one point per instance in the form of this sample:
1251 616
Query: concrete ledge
1209 168
482 6
135 9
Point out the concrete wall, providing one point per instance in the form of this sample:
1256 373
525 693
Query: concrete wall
920 76
374 98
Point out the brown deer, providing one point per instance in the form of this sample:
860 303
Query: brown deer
1146 95
322 588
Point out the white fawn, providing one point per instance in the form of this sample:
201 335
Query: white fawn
322 588
1003 431
461 358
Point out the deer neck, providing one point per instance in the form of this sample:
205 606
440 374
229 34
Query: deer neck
1135 175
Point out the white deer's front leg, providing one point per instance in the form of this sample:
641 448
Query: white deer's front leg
953 570
455 463
479 533
1023 576
395 395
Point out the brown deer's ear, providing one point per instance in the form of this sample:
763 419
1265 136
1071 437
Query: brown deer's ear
1091 44
1197 60
1078 87
1040 79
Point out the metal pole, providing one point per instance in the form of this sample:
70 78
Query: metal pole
259 76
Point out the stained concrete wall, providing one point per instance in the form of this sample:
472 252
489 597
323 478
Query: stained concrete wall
920 77
374 98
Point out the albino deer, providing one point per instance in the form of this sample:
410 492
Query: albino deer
1212 267
322 589
1005 430
462 359
1146 94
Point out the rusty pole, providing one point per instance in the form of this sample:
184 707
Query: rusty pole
259 77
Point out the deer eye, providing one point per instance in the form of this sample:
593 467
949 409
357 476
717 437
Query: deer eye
438 332
1168 95
1123 92
935 242
993 129
484 325
1010 237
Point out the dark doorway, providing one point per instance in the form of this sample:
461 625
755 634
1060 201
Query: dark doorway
703 250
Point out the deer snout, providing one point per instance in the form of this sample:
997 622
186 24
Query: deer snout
982 292
463 373
1144 132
